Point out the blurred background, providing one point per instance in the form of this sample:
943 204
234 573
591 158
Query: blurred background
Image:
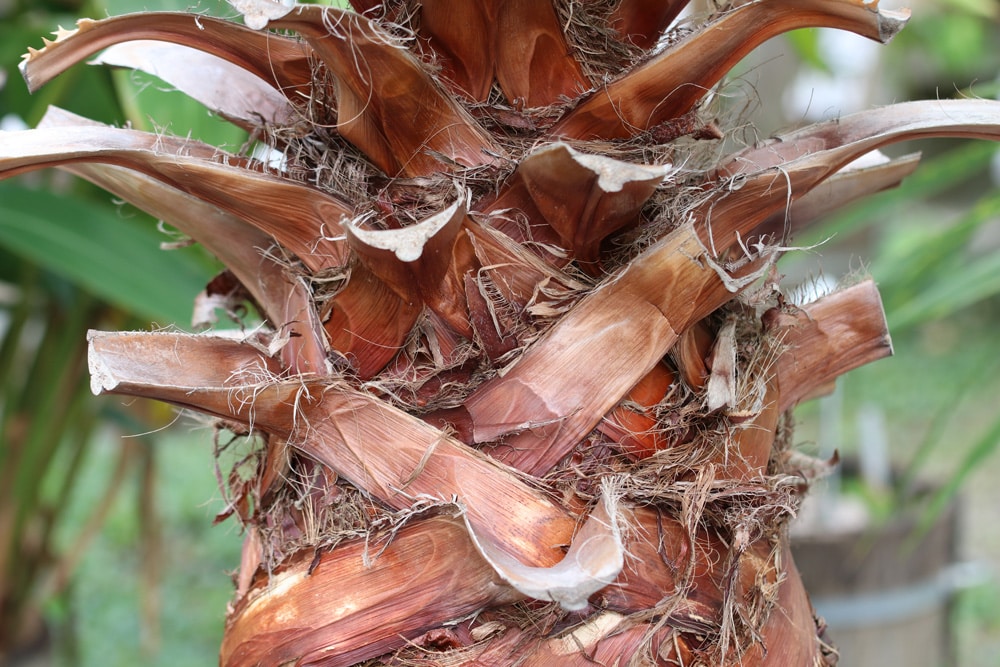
108 553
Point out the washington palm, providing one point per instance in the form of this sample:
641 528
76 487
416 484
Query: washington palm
519 389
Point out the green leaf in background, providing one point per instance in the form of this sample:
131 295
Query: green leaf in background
806 46
112 258
948 170
960 42
976 281
987 10
949 46
144 97
934 275
983 448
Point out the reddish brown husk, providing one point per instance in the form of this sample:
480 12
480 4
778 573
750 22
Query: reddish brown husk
519 395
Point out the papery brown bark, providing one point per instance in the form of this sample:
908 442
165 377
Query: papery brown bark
391 85
280 61
244 100
296 215
669 85
642 22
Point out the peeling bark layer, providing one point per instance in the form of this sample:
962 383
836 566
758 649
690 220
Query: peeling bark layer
518 391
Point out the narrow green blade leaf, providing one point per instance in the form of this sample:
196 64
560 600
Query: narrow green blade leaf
113 259
985 446
978 280
934 176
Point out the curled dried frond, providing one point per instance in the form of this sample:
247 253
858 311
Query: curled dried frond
488 297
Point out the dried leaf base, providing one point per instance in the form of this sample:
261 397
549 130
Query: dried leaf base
518 391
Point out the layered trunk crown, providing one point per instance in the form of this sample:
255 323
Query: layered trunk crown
519 393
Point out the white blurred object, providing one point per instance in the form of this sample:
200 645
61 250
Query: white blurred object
847 87
873 447
12 123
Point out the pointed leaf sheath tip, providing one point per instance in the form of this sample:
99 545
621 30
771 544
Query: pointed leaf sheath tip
101 379
407 244
595 558
890 22
61 34
258 13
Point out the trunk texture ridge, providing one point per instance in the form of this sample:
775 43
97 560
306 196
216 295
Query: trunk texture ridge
518 391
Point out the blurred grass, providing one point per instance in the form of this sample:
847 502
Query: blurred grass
931 366
105 601
977 626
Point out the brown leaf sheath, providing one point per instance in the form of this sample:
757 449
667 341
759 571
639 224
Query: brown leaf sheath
848 138
642 22
296 215
534 65
546 417
608 195
430 572
389 454
457 34
418 262
285 300
827 338
519 43
367 321
850 184
669 85
280 61
245 100
390 107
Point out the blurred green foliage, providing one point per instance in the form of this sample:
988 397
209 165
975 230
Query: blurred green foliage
72 258
947 46
933 246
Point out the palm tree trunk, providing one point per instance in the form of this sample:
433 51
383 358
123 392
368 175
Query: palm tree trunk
520 391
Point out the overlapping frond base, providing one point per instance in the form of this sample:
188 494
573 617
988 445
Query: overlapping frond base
519 393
